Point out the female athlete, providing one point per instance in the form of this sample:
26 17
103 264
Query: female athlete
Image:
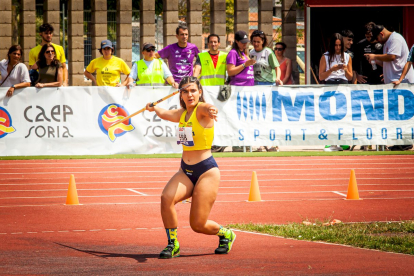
199 175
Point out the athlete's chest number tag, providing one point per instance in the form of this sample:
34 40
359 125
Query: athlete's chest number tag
185 136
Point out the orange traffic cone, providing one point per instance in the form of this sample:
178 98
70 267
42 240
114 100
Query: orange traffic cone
72 197
254 194
352 187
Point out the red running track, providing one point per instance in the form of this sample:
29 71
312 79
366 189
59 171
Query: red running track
118 229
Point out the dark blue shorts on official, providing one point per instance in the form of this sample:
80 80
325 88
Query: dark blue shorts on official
195 171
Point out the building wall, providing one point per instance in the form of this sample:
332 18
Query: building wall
82 30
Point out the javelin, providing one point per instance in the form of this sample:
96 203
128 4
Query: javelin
152 104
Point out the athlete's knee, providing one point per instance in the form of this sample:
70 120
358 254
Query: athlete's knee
197 227
167 200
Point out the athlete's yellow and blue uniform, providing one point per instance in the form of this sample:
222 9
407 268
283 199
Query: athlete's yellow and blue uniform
203 139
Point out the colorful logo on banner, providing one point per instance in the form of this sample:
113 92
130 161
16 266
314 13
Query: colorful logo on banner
5 123
113 113
250 106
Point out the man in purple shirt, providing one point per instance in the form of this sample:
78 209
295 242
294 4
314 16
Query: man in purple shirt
180 55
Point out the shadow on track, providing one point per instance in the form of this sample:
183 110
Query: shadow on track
141 258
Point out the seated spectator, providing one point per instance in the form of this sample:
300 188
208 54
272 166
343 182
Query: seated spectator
285 64
50 69
335 66
108 67
150 71
13 73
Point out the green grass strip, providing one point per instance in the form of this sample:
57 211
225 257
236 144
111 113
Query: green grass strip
218 154
393 236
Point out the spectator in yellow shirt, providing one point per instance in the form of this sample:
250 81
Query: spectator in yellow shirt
46 33
108 67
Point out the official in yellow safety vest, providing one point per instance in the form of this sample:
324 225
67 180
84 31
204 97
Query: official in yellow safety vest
150 71
210 67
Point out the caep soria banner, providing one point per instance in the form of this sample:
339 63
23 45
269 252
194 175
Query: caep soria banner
76 120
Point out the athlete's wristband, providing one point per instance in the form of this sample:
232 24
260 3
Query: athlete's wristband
244 66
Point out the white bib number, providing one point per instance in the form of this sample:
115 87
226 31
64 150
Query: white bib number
185 136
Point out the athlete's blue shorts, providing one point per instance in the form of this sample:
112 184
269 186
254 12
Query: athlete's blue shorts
195 171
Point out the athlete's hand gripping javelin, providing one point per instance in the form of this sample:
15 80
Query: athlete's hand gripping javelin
145 108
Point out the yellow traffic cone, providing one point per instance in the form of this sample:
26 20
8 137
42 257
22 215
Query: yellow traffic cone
72 197
352 187
254 194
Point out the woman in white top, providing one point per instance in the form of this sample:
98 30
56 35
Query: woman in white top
335 66
13 73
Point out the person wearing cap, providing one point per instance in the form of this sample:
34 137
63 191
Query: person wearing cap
108 67
180 55
150 71
239 66
210 66
46 33
394 57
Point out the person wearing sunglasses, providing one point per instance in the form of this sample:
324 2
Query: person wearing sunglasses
150 71
108 67
14 74
266 63
46 33
285 63
50 69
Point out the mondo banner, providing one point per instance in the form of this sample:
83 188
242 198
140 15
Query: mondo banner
76 120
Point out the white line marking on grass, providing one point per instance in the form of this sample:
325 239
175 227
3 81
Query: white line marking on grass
132 190
320 242
338 193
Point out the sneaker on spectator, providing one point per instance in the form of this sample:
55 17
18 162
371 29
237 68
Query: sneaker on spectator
333 148
237 149
260 149
273 149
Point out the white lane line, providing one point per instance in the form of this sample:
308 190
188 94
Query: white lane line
48 231
338 193
110 229
93 230
132 190
78 230
219 201
245 193
316 241
127 173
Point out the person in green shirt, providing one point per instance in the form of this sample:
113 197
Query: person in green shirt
266 61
